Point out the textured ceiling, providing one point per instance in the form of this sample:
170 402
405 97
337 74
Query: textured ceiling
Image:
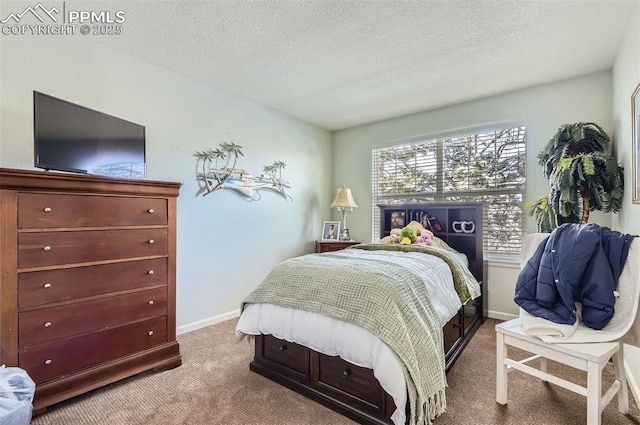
339 64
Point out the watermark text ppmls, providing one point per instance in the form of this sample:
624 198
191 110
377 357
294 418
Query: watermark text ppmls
53 18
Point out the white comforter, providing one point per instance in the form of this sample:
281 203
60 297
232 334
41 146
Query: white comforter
353 343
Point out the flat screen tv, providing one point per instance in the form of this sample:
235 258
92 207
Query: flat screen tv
70 137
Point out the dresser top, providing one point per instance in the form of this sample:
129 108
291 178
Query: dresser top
77 183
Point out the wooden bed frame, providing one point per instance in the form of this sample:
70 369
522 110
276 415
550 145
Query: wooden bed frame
352 390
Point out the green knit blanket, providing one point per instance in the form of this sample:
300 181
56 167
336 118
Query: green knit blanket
384 298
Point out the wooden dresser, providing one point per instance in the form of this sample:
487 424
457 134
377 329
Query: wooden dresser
87 283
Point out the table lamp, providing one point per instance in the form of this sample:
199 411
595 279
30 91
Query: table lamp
344 203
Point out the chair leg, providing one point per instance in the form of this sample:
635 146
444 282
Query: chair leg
618 367
594 393
501 369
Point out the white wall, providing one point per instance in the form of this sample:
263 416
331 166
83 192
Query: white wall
544 108
626 77
225 244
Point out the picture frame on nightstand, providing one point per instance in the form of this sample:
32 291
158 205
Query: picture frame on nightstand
331 231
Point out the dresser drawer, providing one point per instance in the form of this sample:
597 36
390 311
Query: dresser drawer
38 210
53 323
350 381
60 358
288 354
49 286
52 248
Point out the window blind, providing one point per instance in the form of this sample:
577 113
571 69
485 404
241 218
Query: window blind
487 165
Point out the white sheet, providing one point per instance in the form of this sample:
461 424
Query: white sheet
353 343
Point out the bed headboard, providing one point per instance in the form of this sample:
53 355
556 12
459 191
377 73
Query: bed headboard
461 225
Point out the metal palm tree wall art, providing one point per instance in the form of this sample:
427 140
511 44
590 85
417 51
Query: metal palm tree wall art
216 169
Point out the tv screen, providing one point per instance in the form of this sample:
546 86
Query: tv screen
70 137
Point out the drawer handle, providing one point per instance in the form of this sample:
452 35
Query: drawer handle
150 272
150 210
48 361
46 285
456 325
467 315
346 373
283 347
150 302
150 333
47 248
46 209
151 241
47 324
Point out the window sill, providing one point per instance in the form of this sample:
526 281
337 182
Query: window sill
510 260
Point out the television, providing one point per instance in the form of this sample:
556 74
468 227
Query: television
70 137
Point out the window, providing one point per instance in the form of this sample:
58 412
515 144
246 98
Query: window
484 165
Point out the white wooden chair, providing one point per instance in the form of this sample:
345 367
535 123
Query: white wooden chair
592 358
586 350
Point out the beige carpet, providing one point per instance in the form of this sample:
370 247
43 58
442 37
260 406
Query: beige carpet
214 386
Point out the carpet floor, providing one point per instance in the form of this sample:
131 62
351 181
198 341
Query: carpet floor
215 386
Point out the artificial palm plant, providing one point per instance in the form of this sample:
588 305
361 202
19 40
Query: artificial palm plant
583 175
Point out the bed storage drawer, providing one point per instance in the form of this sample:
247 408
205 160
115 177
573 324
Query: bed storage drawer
452 332
291 359
328 380
348 381
470 314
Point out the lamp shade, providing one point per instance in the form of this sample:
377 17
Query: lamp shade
343 199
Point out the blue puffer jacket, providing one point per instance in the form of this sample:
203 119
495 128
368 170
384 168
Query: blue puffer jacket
575 263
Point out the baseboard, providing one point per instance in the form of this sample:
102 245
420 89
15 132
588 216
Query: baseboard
207 322
500 315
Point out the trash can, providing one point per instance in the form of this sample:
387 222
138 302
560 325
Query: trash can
16 396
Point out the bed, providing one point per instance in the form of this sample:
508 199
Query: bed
319 330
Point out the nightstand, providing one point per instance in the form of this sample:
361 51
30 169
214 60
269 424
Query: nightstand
328 246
